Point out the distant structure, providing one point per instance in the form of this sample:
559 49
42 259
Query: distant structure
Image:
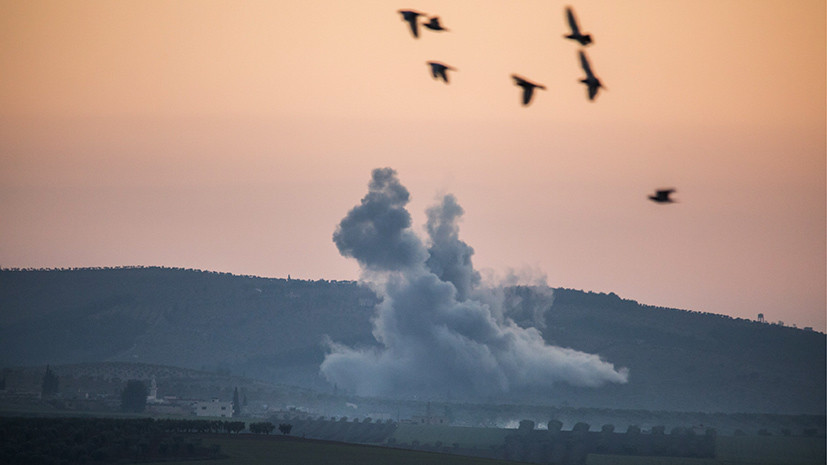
213 408
429 418
761 318
152 398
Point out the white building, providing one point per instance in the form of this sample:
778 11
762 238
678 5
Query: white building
213 408
152 398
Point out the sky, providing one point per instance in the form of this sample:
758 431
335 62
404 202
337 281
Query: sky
234 136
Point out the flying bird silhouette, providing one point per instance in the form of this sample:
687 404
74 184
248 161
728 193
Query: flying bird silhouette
591 80
440 70
662 196
584 39
528 87
434 25
411 17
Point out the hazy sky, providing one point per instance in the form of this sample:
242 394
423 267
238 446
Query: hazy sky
235 135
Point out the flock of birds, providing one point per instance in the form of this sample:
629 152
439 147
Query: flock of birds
440 70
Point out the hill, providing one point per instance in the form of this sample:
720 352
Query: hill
272 329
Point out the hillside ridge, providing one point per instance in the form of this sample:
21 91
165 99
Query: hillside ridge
273 328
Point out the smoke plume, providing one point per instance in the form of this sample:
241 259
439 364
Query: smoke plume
437 332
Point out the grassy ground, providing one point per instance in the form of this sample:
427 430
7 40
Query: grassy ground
466 437
595 459
247 449
775 450
737 450
730 450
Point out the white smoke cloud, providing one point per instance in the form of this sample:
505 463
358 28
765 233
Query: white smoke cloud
437 331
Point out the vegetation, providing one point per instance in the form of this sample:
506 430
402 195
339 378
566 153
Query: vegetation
50 384
192 441
264 427
261 450
236 403
736 450
95 441
775 450
465 437
133 397
364 432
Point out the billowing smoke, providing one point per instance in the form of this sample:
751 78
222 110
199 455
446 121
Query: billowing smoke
437 332
448 257
378 232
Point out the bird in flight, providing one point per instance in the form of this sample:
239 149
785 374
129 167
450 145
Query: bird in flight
440 70
411 17
528 87
434 25
584 39
662 196
591 80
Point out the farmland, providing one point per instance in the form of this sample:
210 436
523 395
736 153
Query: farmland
262 450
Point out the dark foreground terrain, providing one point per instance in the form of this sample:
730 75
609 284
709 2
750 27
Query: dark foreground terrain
95 440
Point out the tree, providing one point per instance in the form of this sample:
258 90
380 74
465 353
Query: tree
233 426
262 427
581 427
526 425
285 428
236 404
555 426
50 383
133 397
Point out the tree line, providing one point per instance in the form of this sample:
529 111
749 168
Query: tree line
99 440
366 431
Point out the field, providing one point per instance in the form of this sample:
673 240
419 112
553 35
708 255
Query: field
737 450
260 450
730 450
776 450
250 449
466 437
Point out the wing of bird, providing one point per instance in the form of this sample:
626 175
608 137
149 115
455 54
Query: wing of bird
410 17
584 62
434 70
528 91
593 91
572 21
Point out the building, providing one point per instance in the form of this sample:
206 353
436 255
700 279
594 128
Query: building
430 419
213 408
152 397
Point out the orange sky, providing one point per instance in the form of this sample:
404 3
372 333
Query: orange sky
233 136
